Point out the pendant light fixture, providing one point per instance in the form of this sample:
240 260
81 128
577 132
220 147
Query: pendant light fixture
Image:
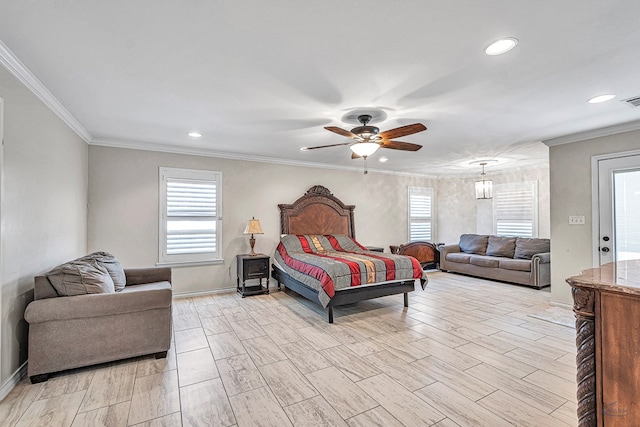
484 188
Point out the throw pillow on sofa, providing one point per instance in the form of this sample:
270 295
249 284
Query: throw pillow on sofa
473 243
501 246
81 278
112 265
527 248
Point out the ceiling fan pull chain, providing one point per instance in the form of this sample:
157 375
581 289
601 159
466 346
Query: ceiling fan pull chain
365 165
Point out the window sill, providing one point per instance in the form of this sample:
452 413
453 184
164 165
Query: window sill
189 263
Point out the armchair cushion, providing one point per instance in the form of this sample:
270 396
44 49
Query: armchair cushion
81 278
133 299
113 266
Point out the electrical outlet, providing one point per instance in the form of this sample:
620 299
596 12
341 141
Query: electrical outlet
576 220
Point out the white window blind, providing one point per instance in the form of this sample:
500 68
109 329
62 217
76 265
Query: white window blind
190 212
515 209
420 213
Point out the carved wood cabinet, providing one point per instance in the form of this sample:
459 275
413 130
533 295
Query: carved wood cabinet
606 302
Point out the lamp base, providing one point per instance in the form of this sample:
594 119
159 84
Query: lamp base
252 243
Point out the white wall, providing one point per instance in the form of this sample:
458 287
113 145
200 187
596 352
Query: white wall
570 170
44 207
459 212
123 207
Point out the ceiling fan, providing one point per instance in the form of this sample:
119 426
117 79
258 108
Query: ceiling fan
369 138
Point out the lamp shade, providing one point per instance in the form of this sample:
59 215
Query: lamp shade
484 189
364 149
253 227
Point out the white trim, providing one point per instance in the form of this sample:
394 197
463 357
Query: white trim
561 304
163 148
22 73
13 381
595 199
166 173
1 209
203 293
428 191
190 263
518 186
594 133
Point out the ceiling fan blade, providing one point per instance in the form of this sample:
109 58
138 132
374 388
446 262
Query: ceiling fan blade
402 131
325 146
398 145
341 131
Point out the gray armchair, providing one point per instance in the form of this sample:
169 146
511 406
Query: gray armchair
68 332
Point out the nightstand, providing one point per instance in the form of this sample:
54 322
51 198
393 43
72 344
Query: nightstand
249 268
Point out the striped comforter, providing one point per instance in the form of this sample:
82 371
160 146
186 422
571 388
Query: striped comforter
333 262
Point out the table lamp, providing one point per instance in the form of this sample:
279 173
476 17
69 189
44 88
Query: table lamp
253 227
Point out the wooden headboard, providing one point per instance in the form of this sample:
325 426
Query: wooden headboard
317 212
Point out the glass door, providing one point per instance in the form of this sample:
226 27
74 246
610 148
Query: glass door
619 206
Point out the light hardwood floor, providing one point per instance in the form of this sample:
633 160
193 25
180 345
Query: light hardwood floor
465 353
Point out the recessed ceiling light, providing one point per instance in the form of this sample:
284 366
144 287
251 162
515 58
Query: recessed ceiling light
195 134
601 98
382 159
501 46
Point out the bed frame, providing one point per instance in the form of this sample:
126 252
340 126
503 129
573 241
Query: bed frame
320 212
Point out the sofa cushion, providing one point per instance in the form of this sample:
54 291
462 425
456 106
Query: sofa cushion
484 261
527 248
459 257
501 246
112 265
80 278
474 243
515 264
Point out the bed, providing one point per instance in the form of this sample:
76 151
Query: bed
319 258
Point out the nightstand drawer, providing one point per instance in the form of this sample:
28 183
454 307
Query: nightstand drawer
256 268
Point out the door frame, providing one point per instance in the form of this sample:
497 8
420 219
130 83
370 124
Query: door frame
595 199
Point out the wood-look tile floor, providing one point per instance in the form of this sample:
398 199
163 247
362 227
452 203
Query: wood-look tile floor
465 353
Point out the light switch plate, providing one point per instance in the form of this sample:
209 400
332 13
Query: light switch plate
576 220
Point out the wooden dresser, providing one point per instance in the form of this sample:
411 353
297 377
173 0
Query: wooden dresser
606 302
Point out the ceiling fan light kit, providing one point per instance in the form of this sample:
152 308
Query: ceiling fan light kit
364 149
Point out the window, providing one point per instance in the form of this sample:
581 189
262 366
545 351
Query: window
190 216
515 209
420 213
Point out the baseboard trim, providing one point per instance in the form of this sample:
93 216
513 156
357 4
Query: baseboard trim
13 381
203 293
561 304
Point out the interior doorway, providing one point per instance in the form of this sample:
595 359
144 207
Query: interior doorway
617 237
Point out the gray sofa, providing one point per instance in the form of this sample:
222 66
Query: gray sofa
510 259
92 322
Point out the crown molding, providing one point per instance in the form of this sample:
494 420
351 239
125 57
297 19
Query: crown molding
26 77
162 148
594 133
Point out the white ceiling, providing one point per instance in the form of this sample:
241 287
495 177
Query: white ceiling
262 78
